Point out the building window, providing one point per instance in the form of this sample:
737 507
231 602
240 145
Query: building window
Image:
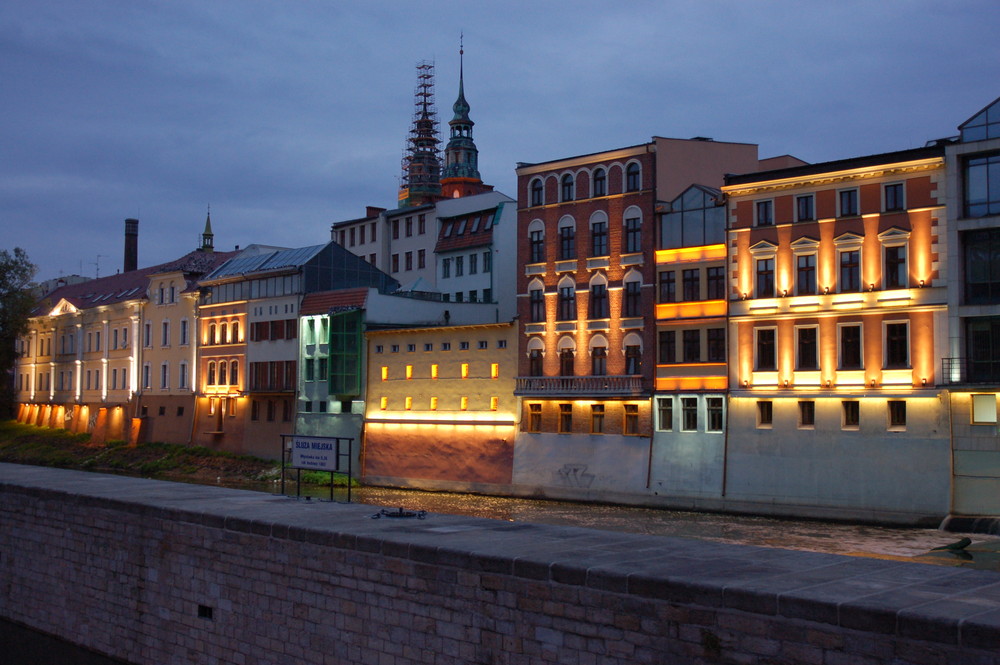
631 424
536 244
668 286
807 414
805 274
691 284
689 414
535 362
600 183
599 361
850 270
395 263
897 414
566 362
494 370
599 239
804 208
765 278
459 266
692 346
894 269
668 346
848 200
408 261
894 197
597 419
182 377
473 264
534 417
565 418
632 179
164 335
536 304
487 261
716 345
764 213
598 301
713 414
665 414
537 192
567 242
445 268
897 345
211 374
409 227
633 235
566 187
851 409
765 413
567 303
633 299
633 360
807 348
765 343
850 347
982 185
164 376
395 229
715 278
464 370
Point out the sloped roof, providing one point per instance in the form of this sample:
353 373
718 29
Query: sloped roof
129 285
265 262
324 301
474 229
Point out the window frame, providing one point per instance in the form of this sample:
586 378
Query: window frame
772 366
805 208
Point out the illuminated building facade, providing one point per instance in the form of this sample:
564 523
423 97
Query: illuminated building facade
971 365
441 410
836 320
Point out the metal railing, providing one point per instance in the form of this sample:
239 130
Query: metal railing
619 385
970 371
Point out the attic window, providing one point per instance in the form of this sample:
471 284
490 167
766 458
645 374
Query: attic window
489 221
447 229
475 225
461 227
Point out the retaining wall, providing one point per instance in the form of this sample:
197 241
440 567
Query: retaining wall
155 572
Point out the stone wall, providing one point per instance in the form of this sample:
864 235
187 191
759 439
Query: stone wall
155 572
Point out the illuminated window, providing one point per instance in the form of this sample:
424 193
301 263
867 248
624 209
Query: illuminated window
464 405
850 346
897 414
385 373
851 414
434 371
534 417
211 374
668 286
600 183
807 414
807 348
232 406
211 406
893 197
565 418
383 403
630 426
897 345
409 371
495 371
465 370
713 414
764 213
766 359
632 178
597 419
805 210
689 414
847 200
434 403
665 414
234 372
984 409
494 403
765 413
408 403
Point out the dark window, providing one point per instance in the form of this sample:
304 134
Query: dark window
395 229
895 267
807 413
421 259
716 282
692 346
894 197
536 244
598 301
633 360
665 413
599 239
668 346
982 186
596 418
632 180
567 187
566 362
536 299
408 261
850 270
537 190
567 303
692 284
765 413
395 262
766 359
852 413
805 274
422 224
633 299
631 425
668 287
850 347
713 414
765 278
598 361
600 183
897 413
409 227
716 345
981 251
567 243
897 345
535 362
689 414
804 211
565 418
983 349
633 235
807 348
848 202
534 417
765 213
445 268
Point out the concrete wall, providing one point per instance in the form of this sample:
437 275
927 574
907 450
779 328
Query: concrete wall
154 572
976 458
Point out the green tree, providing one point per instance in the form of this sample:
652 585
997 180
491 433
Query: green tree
16 301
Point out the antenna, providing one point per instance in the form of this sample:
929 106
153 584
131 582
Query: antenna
97 266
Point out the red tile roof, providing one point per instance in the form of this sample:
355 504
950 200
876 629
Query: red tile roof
324 301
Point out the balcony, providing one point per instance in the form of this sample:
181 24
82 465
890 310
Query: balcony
970 371
597 386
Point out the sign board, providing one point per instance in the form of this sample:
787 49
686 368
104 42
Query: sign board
315 452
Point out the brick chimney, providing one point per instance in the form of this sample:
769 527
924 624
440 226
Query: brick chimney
131 245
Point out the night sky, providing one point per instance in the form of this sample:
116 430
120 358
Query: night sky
288 116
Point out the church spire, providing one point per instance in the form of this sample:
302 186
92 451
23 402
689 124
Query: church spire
421 181
207 237
460 176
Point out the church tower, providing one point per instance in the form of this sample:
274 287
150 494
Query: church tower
207 237
421 180
461 172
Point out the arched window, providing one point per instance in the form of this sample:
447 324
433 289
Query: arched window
536 241
537 192
211 373
632 231
224 334
567 353
234 372
633 353
567 300
536 301
234 332
222 373
633 178
566 187
600 182
598 355
598 300
211 333
536 351
599 234
567 238
632 294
